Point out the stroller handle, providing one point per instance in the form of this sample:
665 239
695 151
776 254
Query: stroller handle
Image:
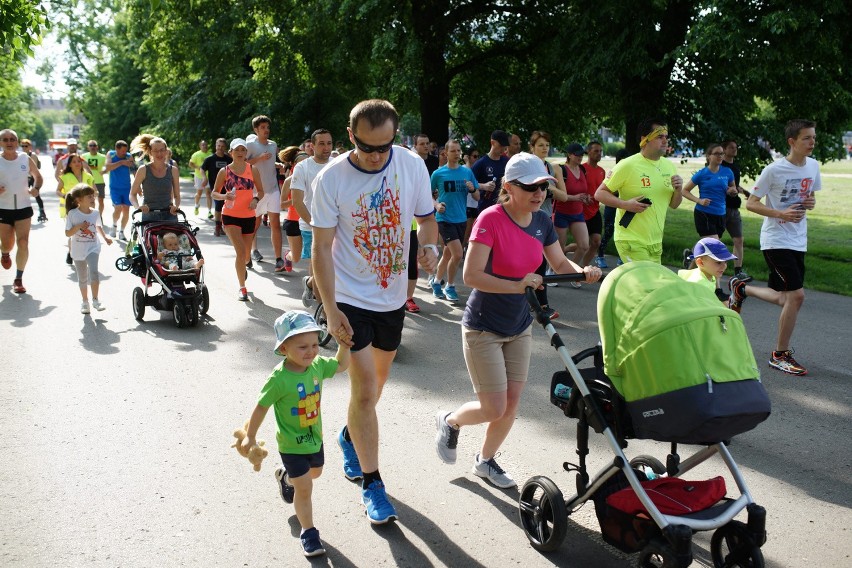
532 300
163 210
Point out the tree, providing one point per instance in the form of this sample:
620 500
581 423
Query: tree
22 25
17 102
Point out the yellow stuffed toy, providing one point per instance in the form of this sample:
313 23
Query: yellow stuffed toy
255 454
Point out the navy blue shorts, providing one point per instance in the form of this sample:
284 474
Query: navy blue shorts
382 330
298 465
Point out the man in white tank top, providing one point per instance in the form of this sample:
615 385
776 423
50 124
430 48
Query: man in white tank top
15 208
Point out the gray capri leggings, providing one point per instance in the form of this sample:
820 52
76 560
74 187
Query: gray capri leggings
87 267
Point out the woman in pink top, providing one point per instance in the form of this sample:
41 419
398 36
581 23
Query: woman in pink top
238 184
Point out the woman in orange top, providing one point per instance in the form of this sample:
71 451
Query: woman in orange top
238 184
290 156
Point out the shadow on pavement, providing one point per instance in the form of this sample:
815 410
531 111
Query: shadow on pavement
27 309
98 338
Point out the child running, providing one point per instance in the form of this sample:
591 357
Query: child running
709 261
82 223
295 388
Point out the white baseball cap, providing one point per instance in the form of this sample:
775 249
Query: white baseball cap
236 142
526 168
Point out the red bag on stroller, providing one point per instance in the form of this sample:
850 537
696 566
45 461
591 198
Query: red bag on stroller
671 495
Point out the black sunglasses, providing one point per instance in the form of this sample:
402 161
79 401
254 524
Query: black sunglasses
531 187
367 149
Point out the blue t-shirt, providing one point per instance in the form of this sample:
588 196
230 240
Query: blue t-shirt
119 178
515 252
713 187
452 192
485 169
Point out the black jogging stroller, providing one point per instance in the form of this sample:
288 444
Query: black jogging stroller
674 366
179 286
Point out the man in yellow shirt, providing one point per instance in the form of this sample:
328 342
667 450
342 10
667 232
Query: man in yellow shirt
195 162
645 184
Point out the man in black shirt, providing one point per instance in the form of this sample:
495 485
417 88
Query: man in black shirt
211 166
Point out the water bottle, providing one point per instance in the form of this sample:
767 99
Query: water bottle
562 391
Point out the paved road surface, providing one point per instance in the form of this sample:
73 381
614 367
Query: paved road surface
118 433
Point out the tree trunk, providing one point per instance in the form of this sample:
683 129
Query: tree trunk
432 35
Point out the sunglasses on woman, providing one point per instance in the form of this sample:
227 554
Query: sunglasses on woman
531 187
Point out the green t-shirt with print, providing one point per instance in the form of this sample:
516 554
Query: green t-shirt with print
197 159
96 162
637 175
296 399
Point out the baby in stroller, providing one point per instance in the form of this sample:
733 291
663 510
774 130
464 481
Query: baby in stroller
175 255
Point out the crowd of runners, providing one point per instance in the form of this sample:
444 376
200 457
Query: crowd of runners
366 222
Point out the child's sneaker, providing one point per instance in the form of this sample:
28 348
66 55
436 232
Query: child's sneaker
311 543
450 293
351 465
98 305
287 491
84 308
379 509
493 473
783 361
738 294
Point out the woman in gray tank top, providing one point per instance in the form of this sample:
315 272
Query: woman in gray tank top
157 181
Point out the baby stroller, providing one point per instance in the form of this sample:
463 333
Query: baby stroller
674 366
181 284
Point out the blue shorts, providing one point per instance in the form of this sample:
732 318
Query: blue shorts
298 465
563 220
307 241
120 196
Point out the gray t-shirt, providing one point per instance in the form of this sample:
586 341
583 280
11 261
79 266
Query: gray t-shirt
268 173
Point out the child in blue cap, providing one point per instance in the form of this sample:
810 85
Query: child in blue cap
294 389
709 260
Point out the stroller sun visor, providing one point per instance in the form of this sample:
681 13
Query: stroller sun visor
681 360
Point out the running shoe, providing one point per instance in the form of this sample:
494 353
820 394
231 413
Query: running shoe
84 308
279 265
450 293
255 254
492 472
687 258
250 264
209 214
6 260
196 210
447 438
114 232
619 262
284 487
18 286
738 294
379 509
783 361
411 306
436 288
121 236
288 264
243 297
311 543
549 272
351 465
307 293
600 262
550 312
68 260
743 275
98 305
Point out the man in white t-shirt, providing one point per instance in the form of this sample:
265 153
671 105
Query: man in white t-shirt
788 186
302 194
262 153
363 205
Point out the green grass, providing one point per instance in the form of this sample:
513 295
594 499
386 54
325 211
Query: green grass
829 258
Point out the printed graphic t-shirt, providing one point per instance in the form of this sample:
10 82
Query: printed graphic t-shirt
784 185
452 191
372 212
85 241
296 399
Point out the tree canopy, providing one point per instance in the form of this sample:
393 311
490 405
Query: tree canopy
713 68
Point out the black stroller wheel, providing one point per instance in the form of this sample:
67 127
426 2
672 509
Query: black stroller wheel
192 315
138 303
179 313
124 263
322 321
658 554
544 517
205 301
733 546
645 462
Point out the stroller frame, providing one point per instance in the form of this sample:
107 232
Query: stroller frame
543 510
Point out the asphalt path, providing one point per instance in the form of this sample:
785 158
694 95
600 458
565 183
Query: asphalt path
118 432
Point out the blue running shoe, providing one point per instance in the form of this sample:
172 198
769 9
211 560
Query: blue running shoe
379 509
351 465
600 261
436 289
311 543
450 292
